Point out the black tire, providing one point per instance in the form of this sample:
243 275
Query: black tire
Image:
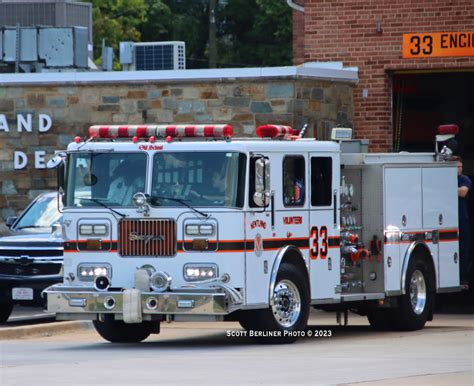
416 305
5 311
282 323
246 319
380 320
116 331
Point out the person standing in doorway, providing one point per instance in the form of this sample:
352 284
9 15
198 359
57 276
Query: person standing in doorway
464 186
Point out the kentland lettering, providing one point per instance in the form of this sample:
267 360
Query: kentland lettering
26 124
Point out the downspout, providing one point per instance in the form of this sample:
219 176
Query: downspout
295 6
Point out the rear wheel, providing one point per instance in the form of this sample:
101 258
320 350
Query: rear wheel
117 331
287 318
5 311
417 303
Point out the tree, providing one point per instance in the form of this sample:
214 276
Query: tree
256 33
116 21
158 23
249 32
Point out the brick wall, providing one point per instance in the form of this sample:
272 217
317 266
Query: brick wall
73 109
345 30
298 35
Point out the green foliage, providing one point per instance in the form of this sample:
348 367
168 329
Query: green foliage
249 32
116 21
158 22
182 20
256 33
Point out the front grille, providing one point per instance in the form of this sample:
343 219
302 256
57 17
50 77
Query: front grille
31 252
33 269
147 237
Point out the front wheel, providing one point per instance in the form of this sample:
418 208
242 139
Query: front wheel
380 320
117 331
5 311
286 319
416 305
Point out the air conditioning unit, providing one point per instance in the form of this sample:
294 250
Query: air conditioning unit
153 56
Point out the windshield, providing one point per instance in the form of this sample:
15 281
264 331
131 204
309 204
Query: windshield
41 214
199 178
108 178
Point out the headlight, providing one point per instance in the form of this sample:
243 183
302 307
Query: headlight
206 229
88 272
93 229
195 272
140 199
192 229
199 229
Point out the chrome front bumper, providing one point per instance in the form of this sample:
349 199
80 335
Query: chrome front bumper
81 301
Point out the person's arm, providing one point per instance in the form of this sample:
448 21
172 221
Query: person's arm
463 191
464 185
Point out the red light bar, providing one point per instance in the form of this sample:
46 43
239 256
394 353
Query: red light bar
143 131
274 131
448 129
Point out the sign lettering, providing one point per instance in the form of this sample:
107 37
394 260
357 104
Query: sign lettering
258 224
293 220
25 123
438 44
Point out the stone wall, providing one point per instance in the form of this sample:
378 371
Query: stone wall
73 108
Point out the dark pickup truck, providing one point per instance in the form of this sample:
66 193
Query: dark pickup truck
31 257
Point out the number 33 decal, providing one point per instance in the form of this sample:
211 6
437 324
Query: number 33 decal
315 237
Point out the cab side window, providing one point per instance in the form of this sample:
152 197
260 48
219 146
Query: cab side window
294 181
321 181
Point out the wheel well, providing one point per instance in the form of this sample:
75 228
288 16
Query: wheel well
421 251
293 256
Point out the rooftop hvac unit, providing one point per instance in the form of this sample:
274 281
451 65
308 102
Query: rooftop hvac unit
40 48
153 56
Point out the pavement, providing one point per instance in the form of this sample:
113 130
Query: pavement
40 330
461 378
447 330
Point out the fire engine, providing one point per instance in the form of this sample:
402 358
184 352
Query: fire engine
185 223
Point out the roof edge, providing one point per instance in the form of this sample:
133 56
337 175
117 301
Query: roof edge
314 71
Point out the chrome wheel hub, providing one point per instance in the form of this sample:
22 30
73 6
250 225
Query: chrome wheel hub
418 292
286 307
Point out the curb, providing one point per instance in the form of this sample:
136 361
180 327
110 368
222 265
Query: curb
48 329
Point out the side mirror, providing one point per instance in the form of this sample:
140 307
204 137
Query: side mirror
261 196
58 162
10 221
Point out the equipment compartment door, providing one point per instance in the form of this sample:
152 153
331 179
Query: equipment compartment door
324 240
440 215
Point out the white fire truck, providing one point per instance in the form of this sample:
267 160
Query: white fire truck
185 223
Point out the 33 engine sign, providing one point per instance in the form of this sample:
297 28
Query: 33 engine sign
438 44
